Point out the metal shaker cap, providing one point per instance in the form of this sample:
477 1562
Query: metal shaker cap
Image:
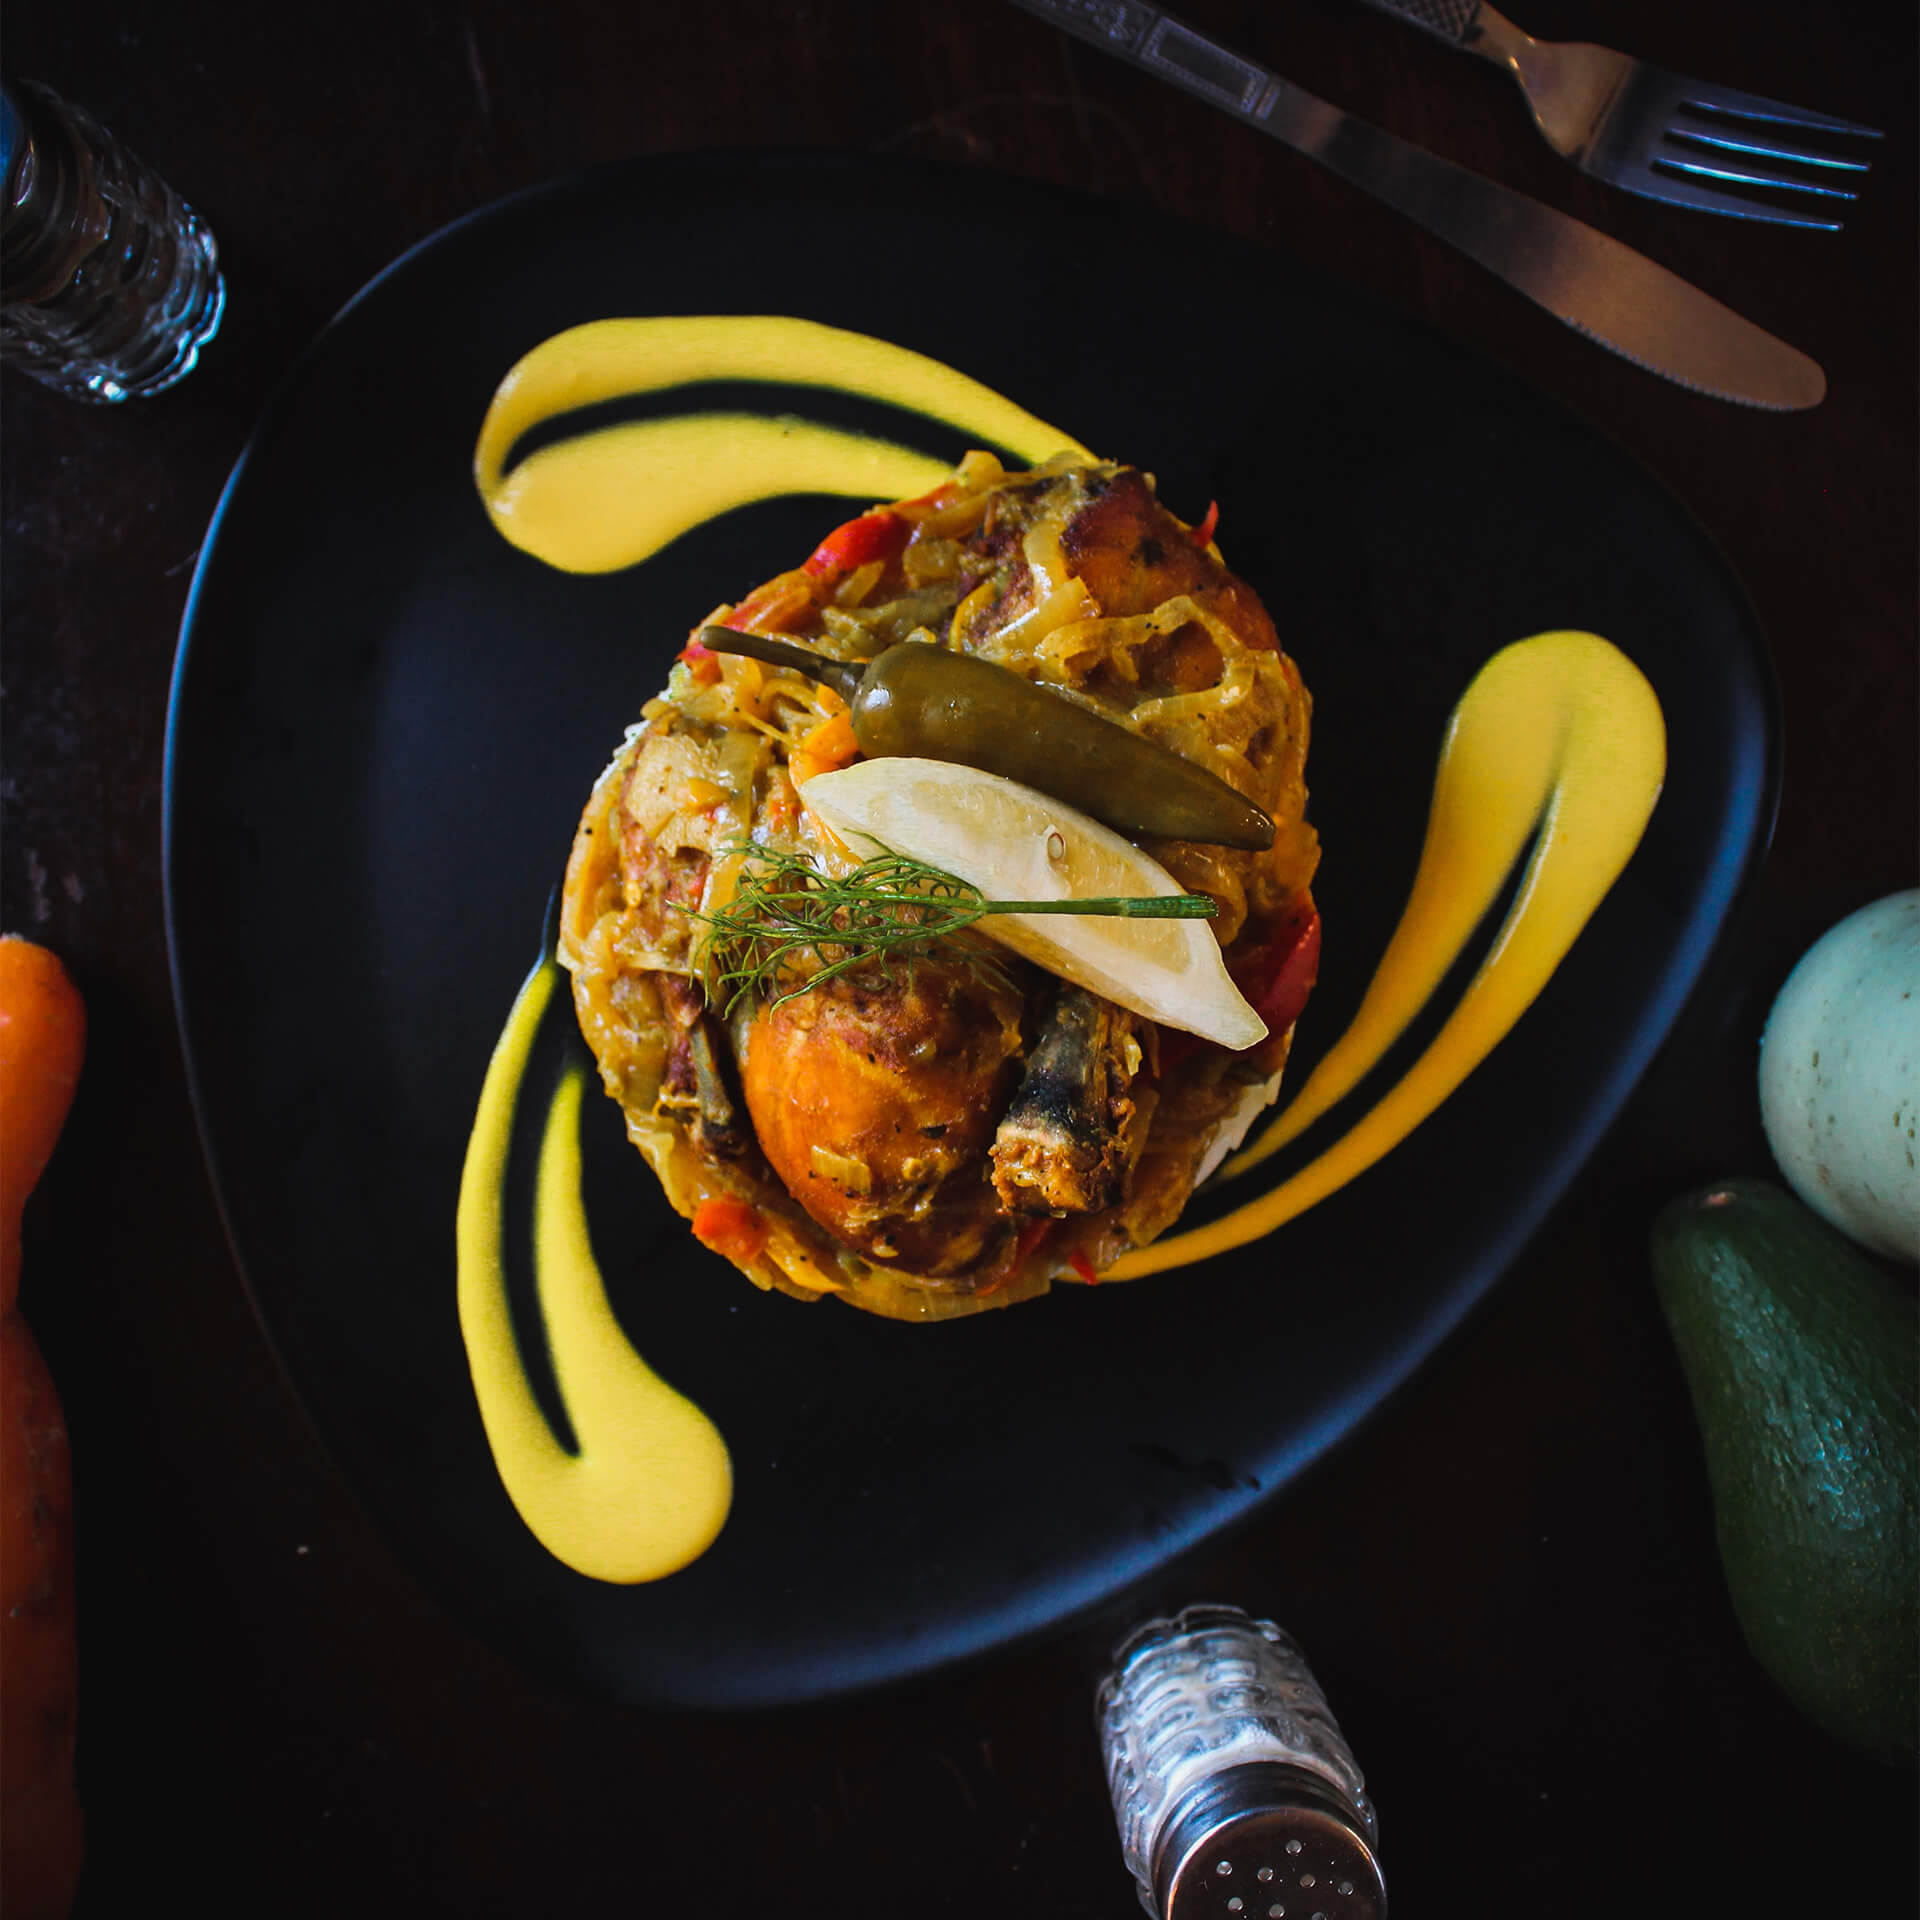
1235 1794
1267 1841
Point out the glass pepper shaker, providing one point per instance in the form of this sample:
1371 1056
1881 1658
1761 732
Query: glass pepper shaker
1235 1795
109 282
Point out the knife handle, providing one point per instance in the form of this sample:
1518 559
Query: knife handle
1449 20
1133 31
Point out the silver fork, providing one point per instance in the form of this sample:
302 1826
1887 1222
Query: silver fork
1652 132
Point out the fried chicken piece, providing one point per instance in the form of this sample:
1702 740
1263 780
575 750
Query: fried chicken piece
874 1102
1132 555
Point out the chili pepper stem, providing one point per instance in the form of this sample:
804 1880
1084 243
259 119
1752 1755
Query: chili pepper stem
843 676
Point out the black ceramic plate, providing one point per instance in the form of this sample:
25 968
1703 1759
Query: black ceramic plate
386 720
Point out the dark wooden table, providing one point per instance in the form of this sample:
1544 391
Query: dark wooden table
1507 1580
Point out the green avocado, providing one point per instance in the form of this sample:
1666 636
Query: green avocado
1801 1358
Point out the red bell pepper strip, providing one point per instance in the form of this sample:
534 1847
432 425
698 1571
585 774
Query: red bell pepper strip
775 605
1032 1237
702 662
1029 1240
874 536
1276 979
1279 977
1202 535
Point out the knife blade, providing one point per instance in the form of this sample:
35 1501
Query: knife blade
1595 284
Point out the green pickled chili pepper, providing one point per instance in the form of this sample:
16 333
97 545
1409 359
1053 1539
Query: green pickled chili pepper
925 702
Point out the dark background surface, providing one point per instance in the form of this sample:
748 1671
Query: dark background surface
1507 1581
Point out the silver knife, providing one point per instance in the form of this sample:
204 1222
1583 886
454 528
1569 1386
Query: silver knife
1596 285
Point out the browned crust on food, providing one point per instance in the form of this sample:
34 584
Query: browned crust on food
1069 1140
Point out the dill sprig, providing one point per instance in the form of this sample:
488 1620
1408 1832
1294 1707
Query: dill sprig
790 927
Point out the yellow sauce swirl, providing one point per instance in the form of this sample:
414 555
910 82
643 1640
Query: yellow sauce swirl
1561 733
1559 740
609 499
650 1486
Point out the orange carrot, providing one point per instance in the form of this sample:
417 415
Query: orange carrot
43 1029
827 747
43 1035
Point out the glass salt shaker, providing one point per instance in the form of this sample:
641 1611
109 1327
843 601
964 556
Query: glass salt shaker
109 282
1235 1794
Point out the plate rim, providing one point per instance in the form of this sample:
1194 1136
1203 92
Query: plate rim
1450 1313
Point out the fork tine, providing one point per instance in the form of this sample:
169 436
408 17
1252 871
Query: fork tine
1706 98
1747 178
1678 189
1697 147
1764 149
